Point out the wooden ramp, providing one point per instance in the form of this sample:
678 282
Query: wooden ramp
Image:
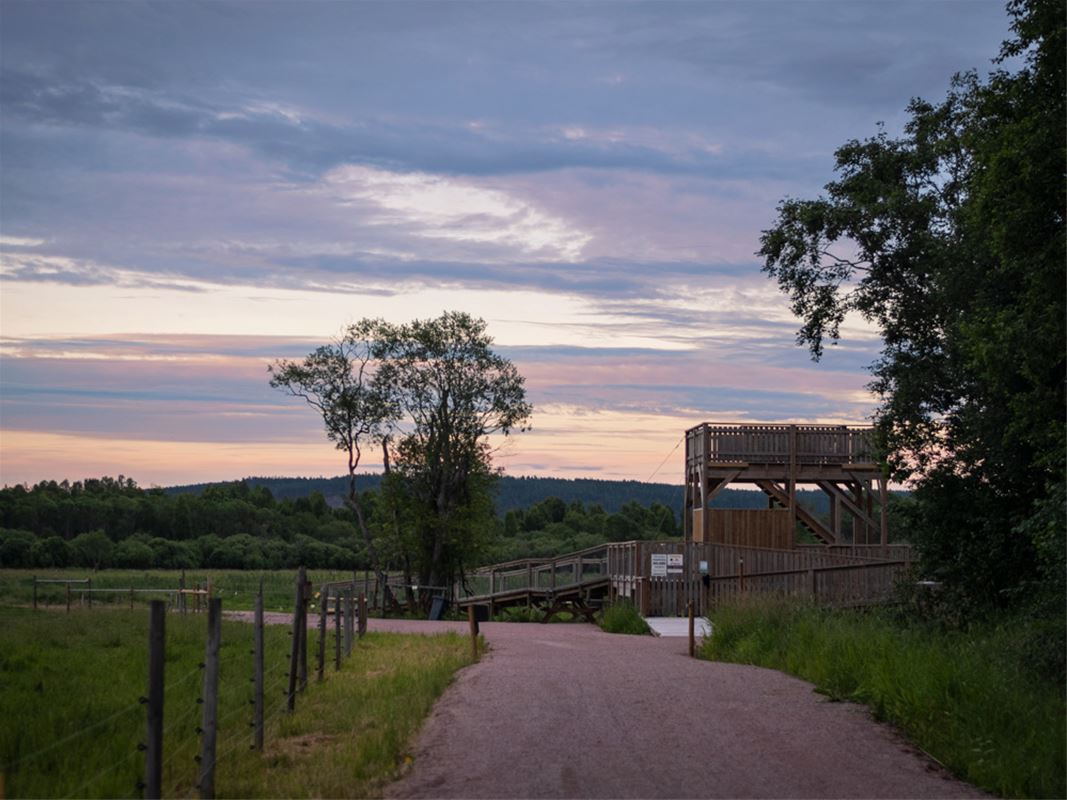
576 582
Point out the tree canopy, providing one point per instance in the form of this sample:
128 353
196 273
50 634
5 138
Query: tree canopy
950 239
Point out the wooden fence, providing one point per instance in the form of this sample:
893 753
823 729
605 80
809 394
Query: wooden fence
709 573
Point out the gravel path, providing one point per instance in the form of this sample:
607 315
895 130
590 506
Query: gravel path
569 711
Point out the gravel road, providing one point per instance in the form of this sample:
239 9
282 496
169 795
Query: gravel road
569 711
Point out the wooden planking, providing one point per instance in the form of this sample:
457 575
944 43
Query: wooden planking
756 527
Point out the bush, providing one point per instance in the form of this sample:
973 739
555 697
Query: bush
622 617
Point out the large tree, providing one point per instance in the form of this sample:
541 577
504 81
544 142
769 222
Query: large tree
454 393
950 238
338 381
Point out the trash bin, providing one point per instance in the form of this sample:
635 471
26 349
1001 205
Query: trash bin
438 607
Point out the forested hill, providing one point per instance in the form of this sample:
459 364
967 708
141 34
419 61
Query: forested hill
512 493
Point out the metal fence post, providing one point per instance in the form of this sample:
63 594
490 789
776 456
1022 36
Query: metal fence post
209 725
337 632
153 754
348 622
294 650
324 600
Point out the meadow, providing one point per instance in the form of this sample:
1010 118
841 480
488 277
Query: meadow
967 698
71 685
237 588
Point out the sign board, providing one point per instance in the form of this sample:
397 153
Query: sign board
659 565
703 567
674 563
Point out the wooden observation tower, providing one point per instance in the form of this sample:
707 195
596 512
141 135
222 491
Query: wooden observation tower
837 459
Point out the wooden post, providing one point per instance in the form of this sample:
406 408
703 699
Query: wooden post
337 633
68 597
348 623
472 621
324 601
182 597
131 598
209 725
257 700
492 591
814 585
153 754
883 505
362 615
740 576
34 592
692 632
302 665
792 482
89 595
294 648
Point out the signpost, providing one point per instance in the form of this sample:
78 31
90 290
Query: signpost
659 565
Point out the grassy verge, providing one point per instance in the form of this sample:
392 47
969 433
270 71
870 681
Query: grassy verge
69 689
965 698
622 617
237 587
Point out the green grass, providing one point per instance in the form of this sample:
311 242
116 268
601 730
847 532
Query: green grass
237 587
69 689
622 617
965 698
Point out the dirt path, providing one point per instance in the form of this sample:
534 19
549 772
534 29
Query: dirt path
569 711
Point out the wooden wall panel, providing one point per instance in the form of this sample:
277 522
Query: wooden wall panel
752 527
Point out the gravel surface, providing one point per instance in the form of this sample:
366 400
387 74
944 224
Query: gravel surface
570 711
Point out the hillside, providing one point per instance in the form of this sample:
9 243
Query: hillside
513 493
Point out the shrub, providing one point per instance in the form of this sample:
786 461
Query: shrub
622 617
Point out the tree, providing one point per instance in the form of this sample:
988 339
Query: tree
454 393
337 380
950 239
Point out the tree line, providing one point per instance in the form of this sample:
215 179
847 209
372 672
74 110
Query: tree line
113 523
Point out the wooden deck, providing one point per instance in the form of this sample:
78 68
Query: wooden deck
838 459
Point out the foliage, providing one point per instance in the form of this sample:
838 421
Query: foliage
453 392
78 684
968 698
950 239
622 617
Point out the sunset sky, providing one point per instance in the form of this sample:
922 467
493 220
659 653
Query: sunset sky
188 191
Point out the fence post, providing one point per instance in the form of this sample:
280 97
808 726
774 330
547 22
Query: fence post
337 632
153 754
131 598
692 632
257 701
814 585
89 601
348 623
302 669
209 726
34 592
182 597
472 621
324 602
740 575
294 649
68 597
362 615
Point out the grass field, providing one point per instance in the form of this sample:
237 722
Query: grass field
70 684
967 699
237 588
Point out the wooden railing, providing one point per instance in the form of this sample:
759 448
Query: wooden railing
778 444
537 574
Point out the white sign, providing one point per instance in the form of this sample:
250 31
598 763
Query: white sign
659 565
674 563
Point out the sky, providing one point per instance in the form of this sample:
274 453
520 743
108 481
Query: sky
189 191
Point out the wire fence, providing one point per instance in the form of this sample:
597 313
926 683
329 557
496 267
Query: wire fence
126 735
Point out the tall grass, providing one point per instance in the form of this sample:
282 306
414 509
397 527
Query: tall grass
69 689
967 699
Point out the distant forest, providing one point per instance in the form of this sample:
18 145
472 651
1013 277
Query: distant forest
515 493
275 523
